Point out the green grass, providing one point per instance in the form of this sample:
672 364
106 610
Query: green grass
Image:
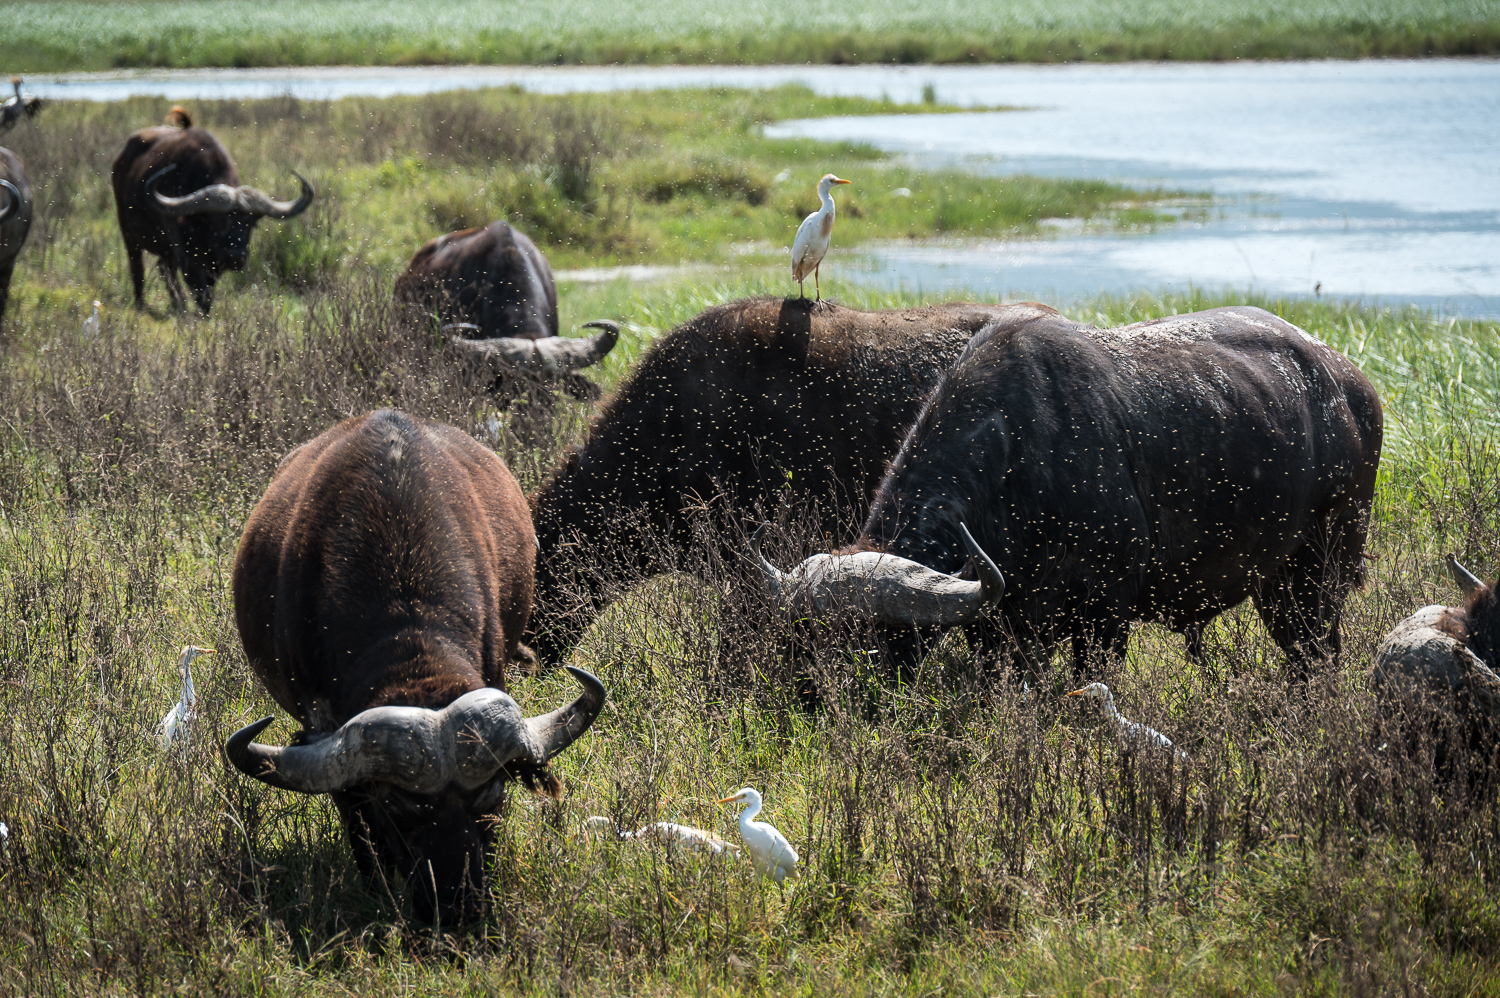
665 177
957 837
54 36
962 839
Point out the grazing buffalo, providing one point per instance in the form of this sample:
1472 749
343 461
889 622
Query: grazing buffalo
15 218
381 584
1160 471
1452 653
178 194
748 404
492 290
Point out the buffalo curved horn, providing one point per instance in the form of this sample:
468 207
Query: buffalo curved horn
221 199
1467 580
15 200
549 356
464 745
885 587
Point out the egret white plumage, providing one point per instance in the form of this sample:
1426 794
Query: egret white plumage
811 244
665 832
1130 731
179 720
91 324
770 852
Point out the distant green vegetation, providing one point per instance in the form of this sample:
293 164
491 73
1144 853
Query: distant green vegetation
665 177
42 36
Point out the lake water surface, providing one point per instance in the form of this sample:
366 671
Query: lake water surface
1376 180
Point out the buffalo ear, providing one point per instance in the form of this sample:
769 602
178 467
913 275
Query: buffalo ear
1467 580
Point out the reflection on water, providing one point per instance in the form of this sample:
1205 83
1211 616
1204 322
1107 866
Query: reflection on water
1375 180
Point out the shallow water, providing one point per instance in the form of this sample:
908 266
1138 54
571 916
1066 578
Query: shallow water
1377 180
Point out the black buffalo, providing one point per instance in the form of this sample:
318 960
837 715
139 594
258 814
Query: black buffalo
178 194
1161 471
492 291
746 405
15 219
382 583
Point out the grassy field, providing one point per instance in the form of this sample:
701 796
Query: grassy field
55 36
957 835
675 177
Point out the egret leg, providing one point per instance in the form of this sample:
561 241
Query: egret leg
816 283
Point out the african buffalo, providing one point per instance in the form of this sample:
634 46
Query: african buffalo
381 584
1451 653
492 290
178 194
1160 471
15 218
748 403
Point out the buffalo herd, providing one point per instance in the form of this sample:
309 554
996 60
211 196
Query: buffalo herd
1034 481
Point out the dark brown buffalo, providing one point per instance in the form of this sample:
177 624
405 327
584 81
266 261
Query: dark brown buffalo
1161 471
15 219
492 291
382 583
745 405
178 195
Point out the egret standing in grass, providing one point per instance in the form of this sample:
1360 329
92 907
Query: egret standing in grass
811 244
666 832
91 324
179 719
1128 731
772 854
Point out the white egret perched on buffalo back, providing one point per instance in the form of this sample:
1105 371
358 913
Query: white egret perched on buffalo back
179 719
1129 731
811 244
772 854
666 832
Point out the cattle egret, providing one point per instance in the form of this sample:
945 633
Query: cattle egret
1130 731
666 832
4 837
811 243
91 324
179 719
772 854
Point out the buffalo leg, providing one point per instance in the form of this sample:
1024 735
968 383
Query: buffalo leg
1301 603
174 286
1105 639
201 284
5 273
137 275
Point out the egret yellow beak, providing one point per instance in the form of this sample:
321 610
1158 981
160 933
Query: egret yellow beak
1077 693
836 180
726 800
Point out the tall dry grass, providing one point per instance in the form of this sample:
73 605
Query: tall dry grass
957 830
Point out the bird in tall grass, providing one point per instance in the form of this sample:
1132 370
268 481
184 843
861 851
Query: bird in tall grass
179 720
770 852
665 832
1128 731
91 324
19 106
811 244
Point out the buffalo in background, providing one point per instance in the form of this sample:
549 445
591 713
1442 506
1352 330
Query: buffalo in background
743 407
15 218
1161 471
178 195
382 583
15 191
492 291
